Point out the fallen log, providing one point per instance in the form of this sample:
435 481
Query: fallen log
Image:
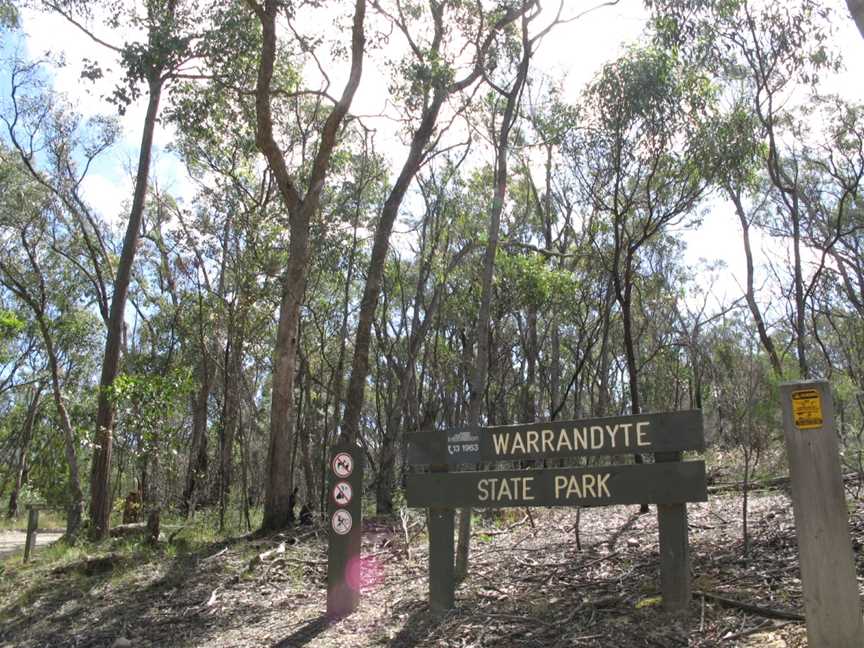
128 529
137 528
761 610
766 484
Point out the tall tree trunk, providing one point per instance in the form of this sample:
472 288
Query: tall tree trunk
602 408
231 405
750 292
26 438
531 352
800 310
197 469
301 209
75 510
479 372
380 246
100 493
386 481
624 292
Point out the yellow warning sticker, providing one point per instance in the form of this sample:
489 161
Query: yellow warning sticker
807 409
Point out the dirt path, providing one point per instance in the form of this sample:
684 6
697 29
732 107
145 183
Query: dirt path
12 541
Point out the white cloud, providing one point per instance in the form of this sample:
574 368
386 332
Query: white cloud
110 197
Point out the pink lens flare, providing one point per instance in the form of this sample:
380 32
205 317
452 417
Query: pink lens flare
363 572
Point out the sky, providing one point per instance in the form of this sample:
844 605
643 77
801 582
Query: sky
575 51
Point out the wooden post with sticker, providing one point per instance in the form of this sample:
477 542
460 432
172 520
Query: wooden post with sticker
344 521
831 603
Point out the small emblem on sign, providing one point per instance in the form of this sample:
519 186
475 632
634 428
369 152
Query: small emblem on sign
341 521
807 409
342 493
343 465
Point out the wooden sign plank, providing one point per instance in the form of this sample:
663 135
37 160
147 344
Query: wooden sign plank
663 483
613 435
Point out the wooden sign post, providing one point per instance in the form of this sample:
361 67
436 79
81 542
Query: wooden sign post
32 526
669 482
442 555
344 519
831 603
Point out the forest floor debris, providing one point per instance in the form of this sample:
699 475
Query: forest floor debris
528 586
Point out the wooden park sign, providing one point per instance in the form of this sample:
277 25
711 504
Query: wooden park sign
669 482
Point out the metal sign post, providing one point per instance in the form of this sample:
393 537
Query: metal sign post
344 520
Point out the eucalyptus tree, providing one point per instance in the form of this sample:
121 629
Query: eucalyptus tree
549 226
43 283
639 158
302 205
233 233
433 76
504 102
777 54
412 295
20 469
8 15
832 170
167 32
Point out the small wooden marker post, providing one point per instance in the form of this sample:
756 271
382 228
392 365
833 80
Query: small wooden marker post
674 549
831 604
441 555
343 561
32 525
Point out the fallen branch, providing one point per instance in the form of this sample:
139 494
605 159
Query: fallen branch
771 613
222 551
403 516
766 484
262 557
762 627
508 529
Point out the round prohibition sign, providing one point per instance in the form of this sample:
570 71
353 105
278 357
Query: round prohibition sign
341 521
342 493
343 465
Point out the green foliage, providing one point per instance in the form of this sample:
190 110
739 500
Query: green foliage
8 15
10 324
529 280
148 403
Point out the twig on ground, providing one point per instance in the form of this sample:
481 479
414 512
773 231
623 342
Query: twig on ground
221 552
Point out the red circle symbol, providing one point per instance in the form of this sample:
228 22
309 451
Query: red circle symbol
342 493
343 465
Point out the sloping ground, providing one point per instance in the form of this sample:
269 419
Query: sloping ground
528 586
